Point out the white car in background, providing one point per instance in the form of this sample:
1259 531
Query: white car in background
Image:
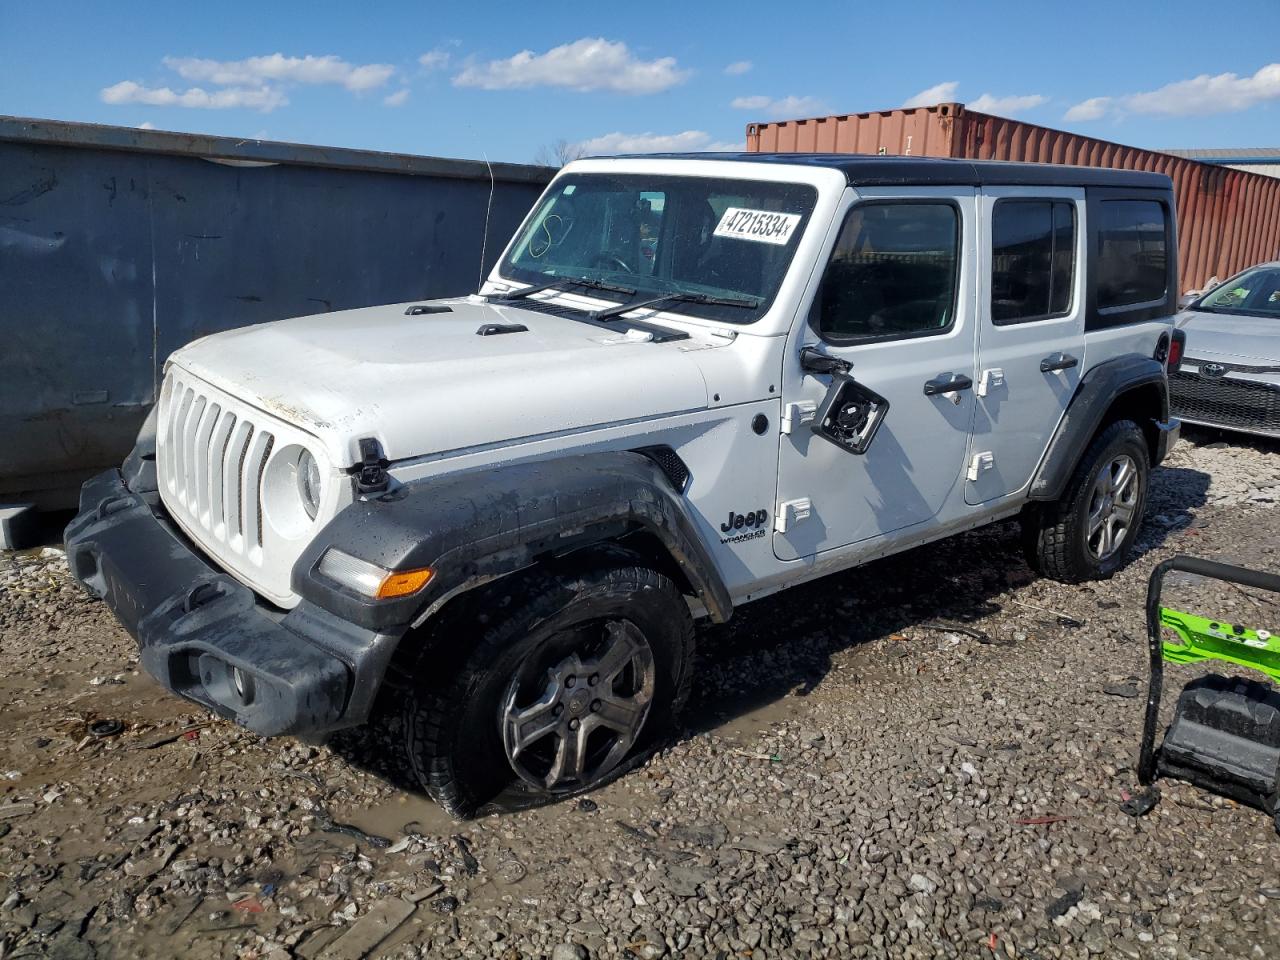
1230 376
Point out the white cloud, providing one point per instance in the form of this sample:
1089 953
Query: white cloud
591 63
434 59
1007 106
781 107
687 142
277 67
146 125
265 99
1199 96
396 99
738 68
944 92
1092 109
1224 93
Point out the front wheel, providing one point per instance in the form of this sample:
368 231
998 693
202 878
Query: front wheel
1089 532
570 676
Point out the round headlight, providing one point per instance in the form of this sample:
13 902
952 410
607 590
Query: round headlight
309 483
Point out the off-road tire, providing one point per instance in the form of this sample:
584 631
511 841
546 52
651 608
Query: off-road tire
453 737
1055 534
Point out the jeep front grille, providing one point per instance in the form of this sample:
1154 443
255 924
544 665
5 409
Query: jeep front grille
1224 400
211 461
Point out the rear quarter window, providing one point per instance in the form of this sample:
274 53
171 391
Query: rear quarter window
1132 265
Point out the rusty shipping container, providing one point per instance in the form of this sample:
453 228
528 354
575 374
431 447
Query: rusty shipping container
1227 219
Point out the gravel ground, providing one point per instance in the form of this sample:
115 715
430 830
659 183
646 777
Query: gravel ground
920 758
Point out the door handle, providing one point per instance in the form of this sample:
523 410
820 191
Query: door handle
947 383
1058 361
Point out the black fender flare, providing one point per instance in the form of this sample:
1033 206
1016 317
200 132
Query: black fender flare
1096 393
480 525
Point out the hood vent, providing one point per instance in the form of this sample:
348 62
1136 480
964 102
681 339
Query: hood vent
494 329
419 309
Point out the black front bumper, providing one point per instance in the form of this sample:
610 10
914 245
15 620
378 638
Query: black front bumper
206 636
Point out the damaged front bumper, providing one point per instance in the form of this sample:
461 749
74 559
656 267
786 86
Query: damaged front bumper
206 636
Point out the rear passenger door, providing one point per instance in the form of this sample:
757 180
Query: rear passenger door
1030 332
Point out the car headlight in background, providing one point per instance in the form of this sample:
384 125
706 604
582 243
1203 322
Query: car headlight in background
369 579
309 483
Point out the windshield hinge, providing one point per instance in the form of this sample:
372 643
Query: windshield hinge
371 473
796 414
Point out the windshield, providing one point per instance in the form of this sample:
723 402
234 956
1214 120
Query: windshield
1255 292
716 239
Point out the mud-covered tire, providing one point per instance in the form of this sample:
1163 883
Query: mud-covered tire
1057 537
459 685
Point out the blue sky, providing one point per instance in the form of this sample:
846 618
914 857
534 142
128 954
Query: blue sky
501 80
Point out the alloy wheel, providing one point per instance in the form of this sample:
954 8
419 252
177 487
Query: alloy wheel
567 726
1113 502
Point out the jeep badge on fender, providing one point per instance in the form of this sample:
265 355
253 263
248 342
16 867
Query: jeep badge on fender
528 525
739 520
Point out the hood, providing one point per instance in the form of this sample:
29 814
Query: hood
429 383
1231 335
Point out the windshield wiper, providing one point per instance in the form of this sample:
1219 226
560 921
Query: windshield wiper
746 303
560 283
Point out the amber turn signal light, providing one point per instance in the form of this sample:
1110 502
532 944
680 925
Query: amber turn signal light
403 582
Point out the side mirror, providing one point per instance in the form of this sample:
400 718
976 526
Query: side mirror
850 414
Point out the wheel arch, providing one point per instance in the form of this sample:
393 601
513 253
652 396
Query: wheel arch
1132 387
477 527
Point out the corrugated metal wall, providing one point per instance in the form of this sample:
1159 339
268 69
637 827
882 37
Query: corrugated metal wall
117 246
1227 219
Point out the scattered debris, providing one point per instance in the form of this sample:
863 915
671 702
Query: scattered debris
511 871
10 810
1141 803
365 934
326 824
1125 690
1059 906
445 905
168 738
1063 619
105 728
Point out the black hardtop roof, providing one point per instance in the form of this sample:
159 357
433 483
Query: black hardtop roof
871 171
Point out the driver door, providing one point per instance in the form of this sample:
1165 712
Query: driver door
896 301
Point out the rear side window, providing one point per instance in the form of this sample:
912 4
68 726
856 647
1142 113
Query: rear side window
892 273
1033 251
1133 259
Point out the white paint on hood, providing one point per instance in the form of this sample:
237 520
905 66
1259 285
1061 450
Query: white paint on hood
429 384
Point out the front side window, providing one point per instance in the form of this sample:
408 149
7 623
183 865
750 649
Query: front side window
1033 245
1133 258
1255 293
892 273
702 236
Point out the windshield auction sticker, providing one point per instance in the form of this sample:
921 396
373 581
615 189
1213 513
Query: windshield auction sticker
762 226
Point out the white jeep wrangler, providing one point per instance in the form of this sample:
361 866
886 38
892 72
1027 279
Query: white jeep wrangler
689 382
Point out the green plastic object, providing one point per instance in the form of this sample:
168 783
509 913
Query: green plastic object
1202 639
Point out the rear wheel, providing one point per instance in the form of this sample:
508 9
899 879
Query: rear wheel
562 680
1089 532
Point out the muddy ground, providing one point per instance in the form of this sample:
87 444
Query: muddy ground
924 757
